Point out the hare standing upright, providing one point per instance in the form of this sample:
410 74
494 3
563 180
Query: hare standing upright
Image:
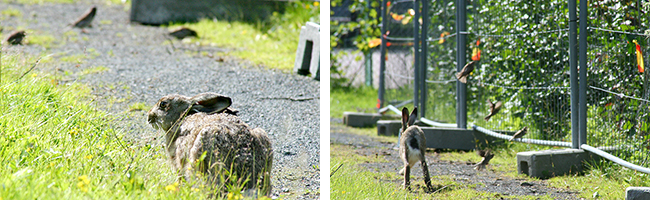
203 135
412 146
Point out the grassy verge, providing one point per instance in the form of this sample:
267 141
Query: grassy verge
342 99
56 145
272 44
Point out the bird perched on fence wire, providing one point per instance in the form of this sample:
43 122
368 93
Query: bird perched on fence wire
487 156
519 133
16 37
86 19
494 109
183 32
464 73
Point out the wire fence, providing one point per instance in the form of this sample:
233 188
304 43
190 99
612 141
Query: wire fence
522 55
399 60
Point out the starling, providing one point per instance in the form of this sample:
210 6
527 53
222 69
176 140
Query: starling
464 73
86 18
487 156
16 37
183 32
520 133
494 109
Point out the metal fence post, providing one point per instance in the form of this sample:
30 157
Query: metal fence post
573 64
461 88
416 55
423 66
583 73
382 56
368 64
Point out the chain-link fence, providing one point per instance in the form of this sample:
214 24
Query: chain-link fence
399 54
522 60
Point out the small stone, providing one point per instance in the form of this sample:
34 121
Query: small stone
526 184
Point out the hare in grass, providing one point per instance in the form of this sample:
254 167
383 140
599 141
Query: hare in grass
205 137
412 146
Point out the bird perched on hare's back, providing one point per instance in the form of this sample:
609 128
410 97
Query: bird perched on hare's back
203 135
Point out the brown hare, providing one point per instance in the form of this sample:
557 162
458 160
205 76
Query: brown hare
203 135
412 146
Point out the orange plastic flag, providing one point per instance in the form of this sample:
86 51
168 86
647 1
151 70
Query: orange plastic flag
374 42
476 52
639 57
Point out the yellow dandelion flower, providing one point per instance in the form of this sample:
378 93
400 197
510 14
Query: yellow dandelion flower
316 3
83 183
172 187
34 75
232 196
307 6
342 192
89 157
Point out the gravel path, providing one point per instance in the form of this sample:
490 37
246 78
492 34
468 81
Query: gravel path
143 66
462 172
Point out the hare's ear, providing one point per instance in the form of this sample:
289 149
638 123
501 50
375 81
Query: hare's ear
405 118
210 102
414 115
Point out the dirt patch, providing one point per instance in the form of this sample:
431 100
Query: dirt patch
461 172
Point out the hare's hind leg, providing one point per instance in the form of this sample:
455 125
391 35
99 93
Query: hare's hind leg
407 174
425 171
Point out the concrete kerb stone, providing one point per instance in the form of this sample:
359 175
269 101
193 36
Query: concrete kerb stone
308 52
356 119
389 127
637 193
549 163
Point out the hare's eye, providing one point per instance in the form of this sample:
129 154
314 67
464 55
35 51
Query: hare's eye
163 104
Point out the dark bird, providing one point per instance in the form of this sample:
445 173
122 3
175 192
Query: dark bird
487 156
16 37
464 73
183 32
494 109
86 19
520 133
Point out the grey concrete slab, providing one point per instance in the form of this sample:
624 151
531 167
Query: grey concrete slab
356 119
550 163
389 127
308 52
637 193
158 12
455 138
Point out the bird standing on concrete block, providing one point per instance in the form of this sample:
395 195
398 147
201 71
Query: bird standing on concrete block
494 109
464 73
16 37
487 156
86 19
519 133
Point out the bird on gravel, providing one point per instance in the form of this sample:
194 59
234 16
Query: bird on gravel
183 32
16 37
494 109
487 156
519 133
464 73
86 19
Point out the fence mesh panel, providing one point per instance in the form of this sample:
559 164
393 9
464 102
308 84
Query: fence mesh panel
399 52
618 93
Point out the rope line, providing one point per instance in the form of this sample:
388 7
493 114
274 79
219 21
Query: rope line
516 34
614 31
619 94
523 88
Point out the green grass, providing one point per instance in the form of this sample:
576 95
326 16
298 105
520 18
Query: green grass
272 43
354 182
342 99
56 145
11 12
